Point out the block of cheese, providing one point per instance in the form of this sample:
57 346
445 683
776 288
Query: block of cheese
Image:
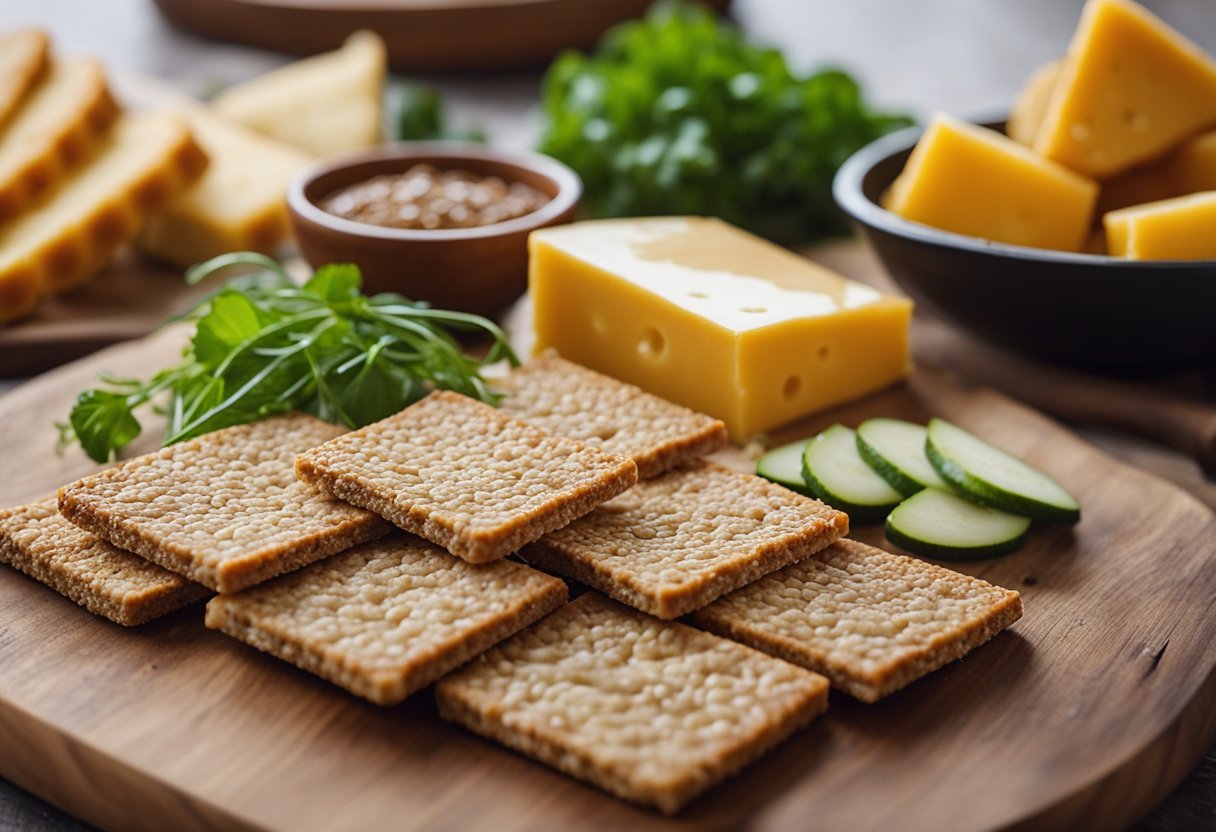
709 316
1032 102
329 103
238 204
1131 89
1188 169
971 180
62 122
1173 229
24 55
145 160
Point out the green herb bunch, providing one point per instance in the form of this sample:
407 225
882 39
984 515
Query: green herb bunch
263 345
678 114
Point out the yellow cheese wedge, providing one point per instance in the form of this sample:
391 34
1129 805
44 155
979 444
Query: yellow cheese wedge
1187 170
60 125
1173 229
1131 89
975 181
145 160
23 58
239 203
329 103
1032 102
709 316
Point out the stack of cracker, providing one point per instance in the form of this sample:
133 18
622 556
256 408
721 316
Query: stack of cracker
579 475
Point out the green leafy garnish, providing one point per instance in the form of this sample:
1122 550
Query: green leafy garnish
420 115
263 345
679 114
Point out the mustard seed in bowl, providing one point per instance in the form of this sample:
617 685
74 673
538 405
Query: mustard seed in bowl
425 197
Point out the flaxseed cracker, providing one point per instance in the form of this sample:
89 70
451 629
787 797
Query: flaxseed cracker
389 617
570 400
869 620
651 711
465 476
225 509
676 542
103 579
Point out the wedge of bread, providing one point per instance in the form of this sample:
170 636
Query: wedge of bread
62 123
329 103
238 204
24 55
144 161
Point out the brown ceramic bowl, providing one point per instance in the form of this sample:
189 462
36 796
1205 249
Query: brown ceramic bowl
479 270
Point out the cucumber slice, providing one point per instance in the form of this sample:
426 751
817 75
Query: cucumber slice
784 466
940 524
995 478
835 473
896 450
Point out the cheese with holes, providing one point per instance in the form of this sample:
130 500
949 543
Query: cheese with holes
709 316
1131 89
239 203
975 181
1173 229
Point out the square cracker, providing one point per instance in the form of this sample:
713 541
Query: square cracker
676 542
869 620
651 711
570 400
465 476
389 617
81 566
224 509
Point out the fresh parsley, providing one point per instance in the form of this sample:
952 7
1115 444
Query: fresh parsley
678 114
263 345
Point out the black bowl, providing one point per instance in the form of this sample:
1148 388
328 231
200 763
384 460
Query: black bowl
1082 309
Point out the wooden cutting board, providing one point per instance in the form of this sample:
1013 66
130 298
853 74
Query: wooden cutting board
1085 714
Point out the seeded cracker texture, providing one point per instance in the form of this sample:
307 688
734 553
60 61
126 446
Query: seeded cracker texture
105 580
650 711
465 476
676 542
224 509
570 400
387 618
869 620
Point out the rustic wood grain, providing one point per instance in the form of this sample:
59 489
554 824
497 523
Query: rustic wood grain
1087 712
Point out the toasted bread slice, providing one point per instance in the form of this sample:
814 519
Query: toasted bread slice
62 123
146 159
224 509
651 711
326 104
570 400
239 203
102 578
389 617
465 476
869 620
676 542
24 55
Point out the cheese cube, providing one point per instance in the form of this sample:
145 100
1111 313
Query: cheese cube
709 316
1173 229
971 180
1132 88
239 204
1032 102
1187 170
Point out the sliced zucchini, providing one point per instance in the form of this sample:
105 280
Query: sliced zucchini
896 450
937 523
835 473
784 466
995 478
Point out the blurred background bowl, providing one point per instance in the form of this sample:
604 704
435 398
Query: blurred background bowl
1081 309
481 270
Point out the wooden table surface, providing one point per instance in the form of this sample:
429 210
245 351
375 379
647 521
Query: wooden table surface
964 56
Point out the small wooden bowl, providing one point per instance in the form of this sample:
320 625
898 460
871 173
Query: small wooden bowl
480 270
